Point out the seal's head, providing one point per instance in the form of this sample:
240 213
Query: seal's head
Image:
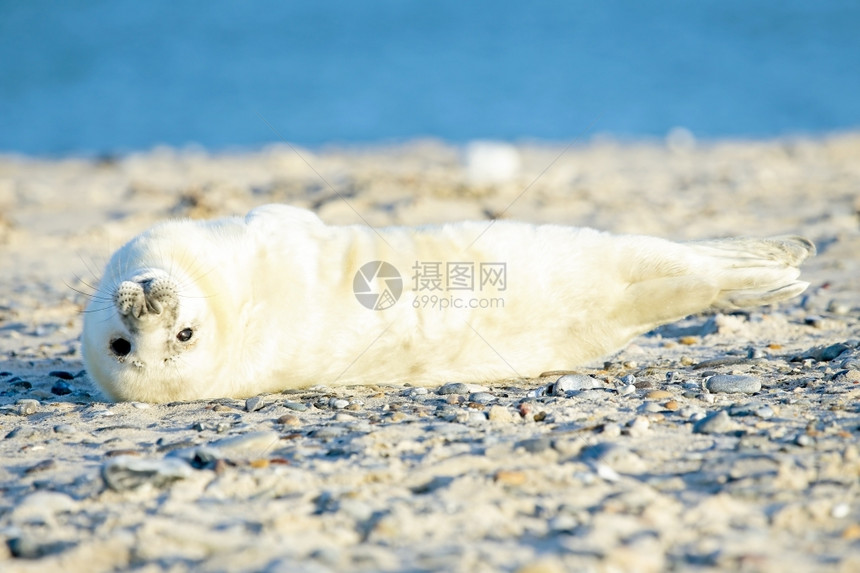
144 337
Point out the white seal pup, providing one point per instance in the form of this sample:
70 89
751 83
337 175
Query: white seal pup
275 300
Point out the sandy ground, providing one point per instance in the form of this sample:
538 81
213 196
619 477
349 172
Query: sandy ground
646 467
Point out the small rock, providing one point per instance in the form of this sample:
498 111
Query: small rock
628 379
574 383
500 414
398 417
22 432
126 473
41 507
672 405
27 406
658 395
730 383
453 388
295 406
61 374
535 445
840 510
438 482
328 432
510 477
61 388
804 440
538 392
849 376
481 398
613 455
638 427
339 404
756 353
141 405
289 420
764 412
611 430
65 429
724 361
629 389
252 444
649 408
833 351
716 423
606 473
41 466
254 404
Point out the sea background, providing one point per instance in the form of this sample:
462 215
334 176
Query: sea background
95 77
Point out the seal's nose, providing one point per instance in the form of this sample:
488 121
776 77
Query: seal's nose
137 299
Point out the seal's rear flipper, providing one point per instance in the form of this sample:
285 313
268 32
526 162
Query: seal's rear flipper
724 274
754 272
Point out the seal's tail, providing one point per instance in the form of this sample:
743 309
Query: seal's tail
752 272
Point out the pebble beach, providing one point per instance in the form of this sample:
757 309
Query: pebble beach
724 442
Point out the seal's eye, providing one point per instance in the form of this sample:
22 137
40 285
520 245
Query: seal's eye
120 346
184 335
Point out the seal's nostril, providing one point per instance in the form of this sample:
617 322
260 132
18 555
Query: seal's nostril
120 346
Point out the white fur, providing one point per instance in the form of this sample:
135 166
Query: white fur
271 304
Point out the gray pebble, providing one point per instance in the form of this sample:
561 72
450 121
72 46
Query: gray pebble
481 398
295 406
22 432
65 429
254 404
833 351
126 473
851 376
765 412
731 383
755 353
612 455
338 403
328 432
438 482
453 388
574 383
61 388
628 379
716 423
535 445
447 413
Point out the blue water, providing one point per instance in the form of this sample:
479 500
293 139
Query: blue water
114 76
